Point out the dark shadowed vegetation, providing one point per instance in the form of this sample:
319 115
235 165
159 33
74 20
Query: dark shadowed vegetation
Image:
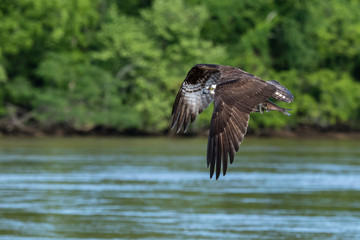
96 65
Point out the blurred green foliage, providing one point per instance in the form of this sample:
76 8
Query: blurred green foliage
118 64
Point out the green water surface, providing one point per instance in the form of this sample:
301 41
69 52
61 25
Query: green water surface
159 188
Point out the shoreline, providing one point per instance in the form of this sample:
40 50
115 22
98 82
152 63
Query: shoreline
301 133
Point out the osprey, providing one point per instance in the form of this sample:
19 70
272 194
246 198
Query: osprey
236 94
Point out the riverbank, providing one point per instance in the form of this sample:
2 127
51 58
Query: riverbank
301 132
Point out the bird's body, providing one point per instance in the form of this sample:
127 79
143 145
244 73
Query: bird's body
236 94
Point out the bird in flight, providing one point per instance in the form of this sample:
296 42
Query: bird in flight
236 94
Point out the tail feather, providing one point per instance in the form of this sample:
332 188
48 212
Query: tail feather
270 106
281 92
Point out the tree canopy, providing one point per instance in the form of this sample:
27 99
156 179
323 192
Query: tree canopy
86 64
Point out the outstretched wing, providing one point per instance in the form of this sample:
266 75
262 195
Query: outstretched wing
190 100
234 101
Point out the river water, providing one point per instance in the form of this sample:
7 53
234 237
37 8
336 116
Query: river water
159 188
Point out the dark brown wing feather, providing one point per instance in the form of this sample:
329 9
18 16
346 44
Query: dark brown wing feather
234 101
190 101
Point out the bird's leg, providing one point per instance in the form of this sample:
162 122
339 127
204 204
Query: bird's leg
262 107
